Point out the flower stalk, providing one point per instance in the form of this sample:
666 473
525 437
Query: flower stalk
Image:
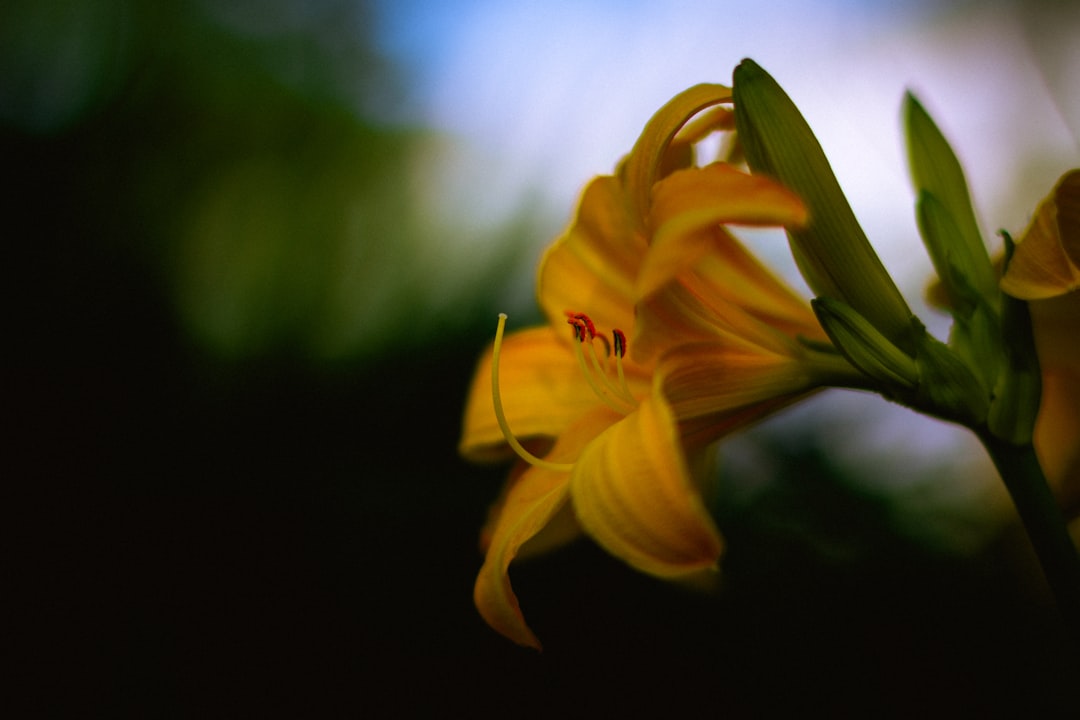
1043 522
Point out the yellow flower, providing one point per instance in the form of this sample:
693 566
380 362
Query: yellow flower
1045 271
714 344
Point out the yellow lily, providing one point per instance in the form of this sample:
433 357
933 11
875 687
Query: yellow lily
1045 271
714 344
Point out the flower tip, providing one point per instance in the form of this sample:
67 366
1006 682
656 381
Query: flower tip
748 64
499 608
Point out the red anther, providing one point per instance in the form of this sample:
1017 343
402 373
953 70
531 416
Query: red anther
588 324
620 342
580 329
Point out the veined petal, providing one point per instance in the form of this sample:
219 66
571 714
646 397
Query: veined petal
1046 261
689 204
592 267
561 529
531 502
645 159
732 275
1057 428
632 492
543 392
688 311
702 431
721 377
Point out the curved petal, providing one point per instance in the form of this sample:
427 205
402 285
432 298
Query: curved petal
1057 428
687 311
593 266
718 378
1046 262
561 529
735 276
698 432
531 502
543 393
645 159
690 203
632 492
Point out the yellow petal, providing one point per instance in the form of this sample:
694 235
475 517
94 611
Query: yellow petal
689 205
1046 262
734 276
592 267
531 502
632 492
560 530
645 159
722 377
689 311
543 392
1055 323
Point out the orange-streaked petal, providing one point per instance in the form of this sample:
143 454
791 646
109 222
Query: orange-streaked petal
593 266
1046 262
543 392
1055 323
645 159
1057 436
689 204
699 432
734 276
684 312
531 502
633 494
560 530
718 378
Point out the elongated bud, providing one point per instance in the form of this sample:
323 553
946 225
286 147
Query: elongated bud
832 251
865 347
946 218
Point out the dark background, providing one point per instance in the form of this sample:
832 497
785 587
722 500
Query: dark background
240 522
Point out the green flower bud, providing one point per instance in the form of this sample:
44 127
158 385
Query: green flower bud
946 218
865 347
832 251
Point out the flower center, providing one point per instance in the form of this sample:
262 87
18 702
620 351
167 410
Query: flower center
613 391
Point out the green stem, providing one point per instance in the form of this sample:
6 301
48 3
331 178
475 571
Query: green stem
1044 523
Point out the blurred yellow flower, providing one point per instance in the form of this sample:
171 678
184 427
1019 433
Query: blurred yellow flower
1045 271
716 342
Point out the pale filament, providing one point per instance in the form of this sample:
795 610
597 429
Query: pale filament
620 391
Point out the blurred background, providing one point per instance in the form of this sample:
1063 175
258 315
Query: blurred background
253 250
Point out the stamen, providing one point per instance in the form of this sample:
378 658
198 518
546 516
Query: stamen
500 416
620 351
619 399
620 342
600 392
582 319
622 393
